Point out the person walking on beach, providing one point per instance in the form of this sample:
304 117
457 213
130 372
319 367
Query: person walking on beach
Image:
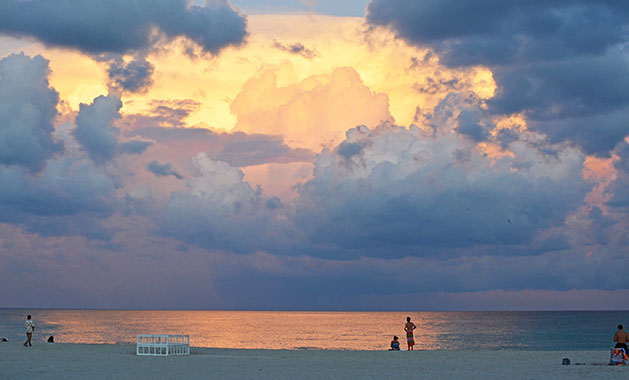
621 338
29 325
409 327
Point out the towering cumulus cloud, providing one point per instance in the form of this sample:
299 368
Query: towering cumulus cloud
560 63
42 187
27 108
96 132
393 191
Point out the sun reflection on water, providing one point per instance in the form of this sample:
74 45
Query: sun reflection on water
320 330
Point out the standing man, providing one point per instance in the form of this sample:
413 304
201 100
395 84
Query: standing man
409 327
621 338
30 327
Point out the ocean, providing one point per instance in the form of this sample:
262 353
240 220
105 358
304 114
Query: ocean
317 330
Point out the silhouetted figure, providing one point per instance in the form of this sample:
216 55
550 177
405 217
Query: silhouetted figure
4 339
409 327
29 325
621 338
395 344
51 339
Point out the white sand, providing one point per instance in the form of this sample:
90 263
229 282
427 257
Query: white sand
81 361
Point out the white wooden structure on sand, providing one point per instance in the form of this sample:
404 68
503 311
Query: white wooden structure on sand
163 345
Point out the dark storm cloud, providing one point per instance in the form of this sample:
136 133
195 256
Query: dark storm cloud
469 124
406 195
573 87
555 61
491 32
162 170
96 132
122 26
95 129
595 134
66 198
27 109
133 76
296 48
354 8
325 283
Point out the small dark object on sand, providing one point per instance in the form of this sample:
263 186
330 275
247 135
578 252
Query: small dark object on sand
51 339
565 361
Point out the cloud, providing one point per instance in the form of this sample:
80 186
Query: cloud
238 149
134 146
162 170
66 198
218 206
164 113
95 129
618 188
28 107
402 193
120 26
309 114
509 33
352 8
132 76
469 124
96 132
559 63
245 150
393 192
296 48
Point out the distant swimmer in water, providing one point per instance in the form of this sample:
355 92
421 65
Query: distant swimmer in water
395 344
409 327
621 338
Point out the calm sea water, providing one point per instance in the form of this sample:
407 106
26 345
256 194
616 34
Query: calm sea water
575 330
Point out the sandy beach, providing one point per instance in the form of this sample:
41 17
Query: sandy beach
118 361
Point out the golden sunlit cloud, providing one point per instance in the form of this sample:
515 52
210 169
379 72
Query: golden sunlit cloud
602 172
399 79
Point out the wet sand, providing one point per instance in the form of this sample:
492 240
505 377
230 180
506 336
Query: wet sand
118 361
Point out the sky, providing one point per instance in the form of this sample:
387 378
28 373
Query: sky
314 154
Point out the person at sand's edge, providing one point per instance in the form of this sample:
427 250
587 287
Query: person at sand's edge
29 325
409 327
621 338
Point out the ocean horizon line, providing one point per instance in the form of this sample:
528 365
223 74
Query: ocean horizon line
315 310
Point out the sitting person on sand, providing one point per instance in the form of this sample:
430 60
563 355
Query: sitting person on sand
395 344
621 338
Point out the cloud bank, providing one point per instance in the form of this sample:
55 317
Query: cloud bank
120 26
561 64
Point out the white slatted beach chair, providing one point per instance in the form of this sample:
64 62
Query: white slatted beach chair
163 345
